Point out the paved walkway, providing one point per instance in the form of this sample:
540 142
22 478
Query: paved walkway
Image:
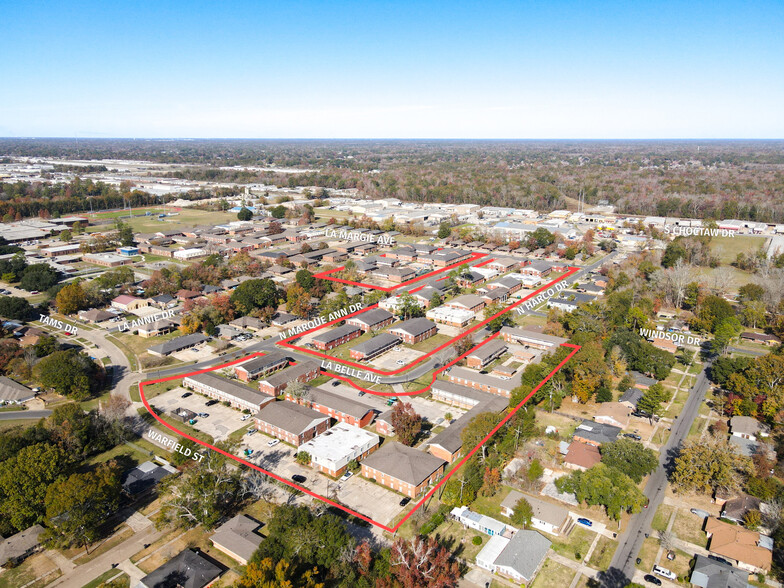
88 572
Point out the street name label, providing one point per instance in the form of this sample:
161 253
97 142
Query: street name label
679 231
173 445
382 239
674 337
322 320
345 370
126 326
543 297
58 324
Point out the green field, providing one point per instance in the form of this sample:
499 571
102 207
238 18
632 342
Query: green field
186 218
727 248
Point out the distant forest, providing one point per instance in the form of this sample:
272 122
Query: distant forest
702 179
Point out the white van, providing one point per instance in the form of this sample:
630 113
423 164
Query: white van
664 572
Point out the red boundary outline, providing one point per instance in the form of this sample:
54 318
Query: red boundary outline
325 275
285 342
449 474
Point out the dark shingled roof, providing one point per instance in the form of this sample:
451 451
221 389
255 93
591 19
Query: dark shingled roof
188 569
414 327
336 333
404 463
179 343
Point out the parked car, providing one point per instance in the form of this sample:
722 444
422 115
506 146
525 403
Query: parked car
335 383
299 479
400 362
273 442
586 522
652 580
664 572
634 436
252 431
204 415
186 394
361 393
192 422
212 402
244 417
346 476
700 513
405 501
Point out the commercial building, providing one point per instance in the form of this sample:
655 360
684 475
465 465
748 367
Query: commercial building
237 395
107 259
331 452
95 315
335 337
414 330
178 344
403 469
128 303
261 366
379 344
340 408
291 422
155 328
303 372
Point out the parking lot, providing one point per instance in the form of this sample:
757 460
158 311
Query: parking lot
198 353
221 422
396 358
357 493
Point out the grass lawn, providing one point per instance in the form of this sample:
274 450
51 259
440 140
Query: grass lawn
431 343
421 382
576 545
650 547
662 517
660 438
120 451
153 390
553 575
727 248
688 527
118 580
121 533
680 565
140 345
185 218
33 567
603 553
184 427
491 505
13 408
5 425
460 539
129 354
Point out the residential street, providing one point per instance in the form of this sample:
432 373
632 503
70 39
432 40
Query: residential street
622 567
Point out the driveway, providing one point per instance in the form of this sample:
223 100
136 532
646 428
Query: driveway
221 422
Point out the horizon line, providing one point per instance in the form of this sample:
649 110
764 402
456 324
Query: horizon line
163 138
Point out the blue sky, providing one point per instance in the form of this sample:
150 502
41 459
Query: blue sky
404 69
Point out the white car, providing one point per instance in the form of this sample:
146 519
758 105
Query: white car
244 417
273 443
346 476
400 361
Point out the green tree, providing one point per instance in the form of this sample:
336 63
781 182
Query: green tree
38 277
244 214
278 211
535 470
630 457
522 513
408 307
724 334
303 457
305 279
24 481
674 251
444 230
540 239
652 401
753 313
125 234
16 308
495 324
605 486
66 372
65 236
78 506
253 294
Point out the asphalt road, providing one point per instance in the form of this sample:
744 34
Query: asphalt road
623 563
24 414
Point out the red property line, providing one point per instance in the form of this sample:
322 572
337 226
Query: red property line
325 275
365 518
285 342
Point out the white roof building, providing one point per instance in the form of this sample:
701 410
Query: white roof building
339 445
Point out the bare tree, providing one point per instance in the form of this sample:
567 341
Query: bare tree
666 539
299 391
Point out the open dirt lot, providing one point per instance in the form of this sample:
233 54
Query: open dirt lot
221 422
389 360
